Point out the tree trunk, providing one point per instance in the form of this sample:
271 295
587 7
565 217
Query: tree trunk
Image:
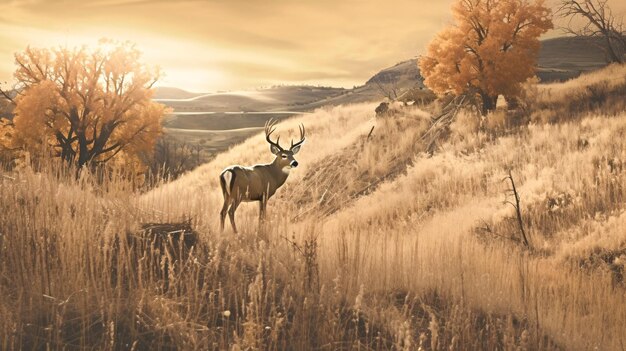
614 57
83 150
489 103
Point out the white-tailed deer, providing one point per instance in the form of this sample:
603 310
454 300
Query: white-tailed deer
259 182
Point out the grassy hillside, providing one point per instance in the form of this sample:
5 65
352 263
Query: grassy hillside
372 243
567 57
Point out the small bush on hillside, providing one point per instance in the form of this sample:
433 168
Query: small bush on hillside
172 159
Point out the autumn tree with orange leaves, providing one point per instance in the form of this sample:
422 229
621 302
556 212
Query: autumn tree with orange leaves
87 106
489 51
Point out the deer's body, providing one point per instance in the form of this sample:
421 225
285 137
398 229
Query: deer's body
257 183
252 183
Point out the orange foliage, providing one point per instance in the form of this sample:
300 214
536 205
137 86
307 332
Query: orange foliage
490 50
7 130
86 106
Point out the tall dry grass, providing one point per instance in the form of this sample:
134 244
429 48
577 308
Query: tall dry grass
371 244
600 92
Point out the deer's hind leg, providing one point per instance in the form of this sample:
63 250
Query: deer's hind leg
223 213
231 213
226 182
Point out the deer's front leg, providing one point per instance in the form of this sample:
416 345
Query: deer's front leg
262 208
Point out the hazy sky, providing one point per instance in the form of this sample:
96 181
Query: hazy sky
209 45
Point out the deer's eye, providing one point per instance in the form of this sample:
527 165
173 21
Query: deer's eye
283 156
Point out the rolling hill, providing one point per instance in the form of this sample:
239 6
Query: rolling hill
260 100
219 120
559 59
396 228
567 57
173 93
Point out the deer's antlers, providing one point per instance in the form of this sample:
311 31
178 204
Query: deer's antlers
270 127
302 132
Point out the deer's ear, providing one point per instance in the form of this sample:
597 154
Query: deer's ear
274 149
296 149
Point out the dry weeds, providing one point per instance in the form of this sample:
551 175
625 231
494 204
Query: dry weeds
371 244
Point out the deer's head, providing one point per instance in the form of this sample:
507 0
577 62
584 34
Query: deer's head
284 158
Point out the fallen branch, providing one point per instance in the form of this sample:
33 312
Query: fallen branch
441 122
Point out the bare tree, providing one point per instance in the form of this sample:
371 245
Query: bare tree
600 22
390 90
171 159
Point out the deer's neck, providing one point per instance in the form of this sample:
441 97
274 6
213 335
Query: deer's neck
279 173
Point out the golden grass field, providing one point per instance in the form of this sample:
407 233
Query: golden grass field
372 244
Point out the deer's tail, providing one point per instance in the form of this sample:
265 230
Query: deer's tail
227 180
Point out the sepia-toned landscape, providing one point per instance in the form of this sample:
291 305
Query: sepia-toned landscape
471 197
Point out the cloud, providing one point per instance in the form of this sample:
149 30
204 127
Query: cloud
233 44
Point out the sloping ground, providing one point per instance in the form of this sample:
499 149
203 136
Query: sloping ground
567 57
329 131
357 170
426 257
337 164
439 223
173 93
572 53
596 92
404 74
418 233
